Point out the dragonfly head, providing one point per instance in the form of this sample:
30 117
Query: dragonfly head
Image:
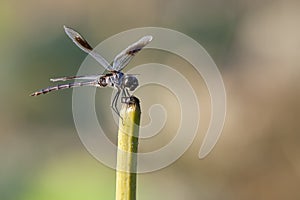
130 82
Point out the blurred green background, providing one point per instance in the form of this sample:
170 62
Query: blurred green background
256 46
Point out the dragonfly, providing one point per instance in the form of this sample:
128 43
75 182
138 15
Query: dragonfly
115 78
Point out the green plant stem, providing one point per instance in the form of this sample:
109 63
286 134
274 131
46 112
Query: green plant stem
127 149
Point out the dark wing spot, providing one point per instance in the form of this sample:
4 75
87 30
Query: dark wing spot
83 42
134 51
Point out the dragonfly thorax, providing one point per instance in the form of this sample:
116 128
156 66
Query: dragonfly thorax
102 81
119 80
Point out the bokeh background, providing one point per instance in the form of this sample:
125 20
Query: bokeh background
256 46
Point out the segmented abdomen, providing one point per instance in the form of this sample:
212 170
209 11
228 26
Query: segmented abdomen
64 86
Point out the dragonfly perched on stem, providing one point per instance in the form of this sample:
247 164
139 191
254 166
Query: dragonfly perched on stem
114 78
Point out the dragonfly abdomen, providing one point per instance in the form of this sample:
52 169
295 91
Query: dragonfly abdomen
64 86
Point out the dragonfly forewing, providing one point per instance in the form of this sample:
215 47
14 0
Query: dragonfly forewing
124 57
84 45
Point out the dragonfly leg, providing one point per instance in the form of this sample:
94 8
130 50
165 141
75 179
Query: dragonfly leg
115 102
127 93
125 96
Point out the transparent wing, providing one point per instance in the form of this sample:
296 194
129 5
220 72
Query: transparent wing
123 58
84 45
67 78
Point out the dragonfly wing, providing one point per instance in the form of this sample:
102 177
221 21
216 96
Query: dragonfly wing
67 78
123 58
86 47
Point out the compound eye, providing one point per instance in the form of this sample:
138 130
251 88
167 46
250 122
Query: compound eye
131 83
134 85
